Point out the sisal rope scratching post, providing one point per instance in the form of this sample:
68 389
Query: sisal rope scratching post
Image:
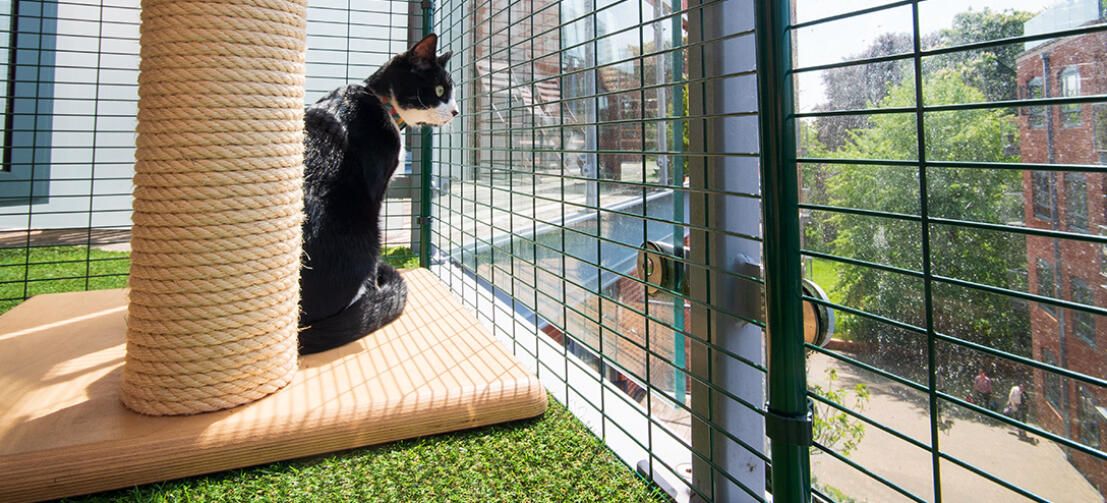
214 297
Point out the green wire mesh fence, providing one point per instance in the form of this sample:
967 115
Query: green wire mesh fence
617 187
951 158
586 133
950 166
70 87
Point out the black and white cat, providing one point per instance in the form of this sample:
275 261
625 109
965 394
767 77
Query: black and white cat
352 146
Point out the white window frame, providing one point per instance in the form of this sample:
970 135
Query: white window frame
1069 82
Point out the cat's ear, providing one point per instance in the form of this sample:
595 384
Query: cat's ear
426 48
444 58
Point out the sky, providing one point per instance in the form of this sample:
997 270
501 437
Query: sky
838 40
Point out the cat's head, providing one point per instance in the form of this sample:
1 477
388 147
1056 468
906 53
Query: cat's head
417 85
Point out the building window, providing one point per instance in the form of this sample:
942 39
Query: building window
8 67
29 98
1041 194
1051 381
1035 113
1089 418
1083 322
1099 120
1070 88
1103 252
1045 284
1076 201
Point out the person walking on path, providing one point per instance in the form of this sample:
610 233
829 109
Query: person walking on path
1015 410
982 388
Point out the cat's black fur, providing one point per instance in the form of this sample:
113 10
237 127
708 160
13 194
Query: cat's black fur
352 147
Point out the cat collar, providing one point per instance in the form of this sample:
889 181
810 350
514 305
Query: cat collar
395 115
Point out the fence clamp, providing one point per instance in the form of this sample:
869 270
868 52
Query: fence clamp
791 430
421 220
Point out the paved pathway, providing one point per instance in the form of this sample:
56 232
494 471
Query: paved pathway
1038 468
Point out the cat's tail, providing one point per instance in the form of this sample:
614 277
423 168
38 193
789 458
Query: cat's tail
382 301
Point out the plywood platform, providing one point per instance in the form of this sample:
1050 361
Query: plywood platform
64 431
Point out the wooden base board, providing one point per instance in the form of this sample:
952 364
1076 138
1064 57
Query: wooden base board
64 431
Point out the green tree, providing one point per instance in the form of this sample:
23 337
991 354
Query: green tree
832 427
976 194
992 69
859 86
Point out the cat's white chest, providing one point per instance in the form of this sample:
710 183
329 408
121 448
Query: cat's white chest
402 154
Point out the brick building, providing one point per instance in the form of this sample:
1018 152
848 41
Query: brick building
530 71
1067 201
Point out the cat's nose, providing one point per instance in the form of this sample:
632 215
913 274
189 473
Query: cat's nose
454 112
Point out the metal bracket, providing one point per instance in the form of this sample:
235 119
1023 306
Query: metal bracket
427 5
420 220
791 430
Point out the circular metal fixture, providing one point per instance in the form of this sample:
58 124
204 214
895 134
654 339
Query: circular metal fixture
818 319
658 269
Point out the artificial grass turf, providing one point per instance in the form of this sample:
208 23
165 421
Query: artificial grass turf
400 257
552 458
25 272
50 269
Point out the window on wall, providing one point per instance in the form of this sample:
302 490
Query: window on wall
1083 323
1089 418
1051 381
1045 283
1099 120
7 18
1036 113
29 97
1070 87
1040 187
1076 201
1103 252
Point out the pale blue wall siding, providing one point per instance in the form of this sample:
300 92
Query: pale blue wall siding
85 96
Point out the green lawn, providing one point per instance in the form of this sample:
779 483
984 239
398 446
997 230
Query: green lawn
400 257
552 458
52 269
825 274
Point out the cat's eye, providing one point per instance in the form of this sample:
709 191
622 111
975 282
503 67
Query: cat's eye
439 91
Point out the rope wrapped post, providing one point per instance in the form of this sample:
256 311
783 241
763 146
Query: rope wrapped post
214 298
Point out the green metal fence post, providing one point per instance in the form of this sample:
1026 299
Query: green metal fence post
426 144
788 410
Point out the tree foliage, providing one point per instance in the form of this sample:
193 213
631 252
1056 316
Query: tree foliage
832 427
984 195
859 86
991 70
